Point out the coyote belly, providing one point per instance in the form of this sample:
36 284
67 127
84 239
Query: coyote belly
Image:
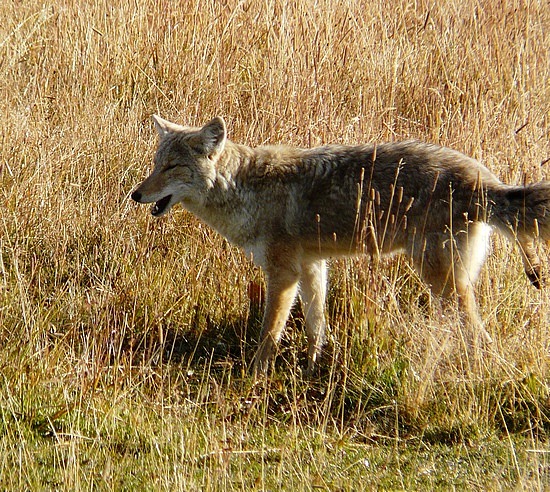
292 208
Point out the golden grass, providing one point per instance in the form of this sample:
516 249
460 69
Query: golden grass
124 340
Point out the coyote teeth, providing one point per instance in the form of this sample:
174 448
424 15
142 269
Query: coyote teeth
160 206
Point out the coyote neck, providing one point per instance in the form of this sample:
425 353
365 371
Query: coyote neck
224 206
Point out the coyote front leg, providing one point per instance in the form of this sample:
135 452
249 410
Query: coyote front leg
282 285
313 289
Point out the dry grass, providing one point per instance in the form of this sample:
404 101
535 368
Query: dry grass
125 340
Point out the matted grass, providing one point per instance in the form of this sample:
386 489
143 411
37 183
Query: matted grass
125 340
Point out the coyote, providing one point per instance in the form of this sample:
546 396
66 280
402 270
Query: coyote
290 209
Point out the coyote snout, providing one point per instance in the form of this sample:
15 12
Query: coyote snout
161 206
293 208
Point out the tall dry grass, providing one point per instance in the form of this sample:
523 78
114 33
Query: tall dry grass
124 340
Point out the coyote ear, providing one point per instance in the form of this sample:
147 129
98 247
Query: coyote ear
212 137
164 127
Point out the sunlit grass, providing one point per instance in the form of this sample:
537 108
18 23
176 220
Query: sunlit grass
125 340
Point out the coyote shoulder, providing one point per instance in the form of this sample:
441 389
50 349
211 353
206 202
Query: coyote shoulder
292 208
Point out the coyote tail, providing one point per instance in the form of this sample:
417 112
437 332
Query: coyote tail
523 211
523 214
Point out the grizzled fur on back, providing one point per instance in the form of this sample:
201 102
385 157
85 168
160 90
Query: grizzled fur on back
292 208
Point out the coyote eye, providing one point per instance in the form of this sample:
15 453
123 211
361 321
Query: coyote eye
170 167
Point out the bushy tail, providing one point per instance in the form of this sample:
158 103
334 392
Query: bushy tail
523 210
523 214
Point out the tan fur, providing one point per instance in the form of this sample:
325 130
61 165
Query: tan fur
291 208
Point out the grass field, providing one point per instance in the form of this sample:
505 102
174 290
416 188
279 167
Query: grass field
125 341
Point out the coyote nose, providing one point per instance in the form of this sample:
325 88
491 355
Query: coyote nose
136 196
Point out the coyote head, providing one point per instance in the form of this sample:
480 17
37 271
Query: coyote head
184 165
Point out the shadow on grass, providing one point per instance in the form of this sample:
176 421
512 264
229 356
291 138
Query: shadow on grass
369 401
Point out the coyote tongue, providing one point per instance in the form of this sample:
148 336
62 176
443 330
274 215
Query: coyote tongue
160 206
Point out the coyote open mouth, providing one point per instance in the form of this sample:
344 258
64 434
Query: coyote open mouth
160 206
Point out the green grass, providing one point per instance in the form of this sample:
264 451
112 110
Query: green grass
211 430
125 341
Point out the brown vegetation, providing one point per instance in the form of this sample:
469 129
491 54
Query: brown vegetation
125 340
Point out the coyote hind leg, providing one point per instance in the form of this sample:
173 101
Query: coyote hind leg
451 267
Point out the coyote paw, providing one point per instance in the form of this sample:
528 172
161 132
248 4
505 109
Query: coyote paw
262 362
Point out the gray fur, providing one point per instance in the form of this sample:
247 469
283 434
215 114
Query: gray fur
292 208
